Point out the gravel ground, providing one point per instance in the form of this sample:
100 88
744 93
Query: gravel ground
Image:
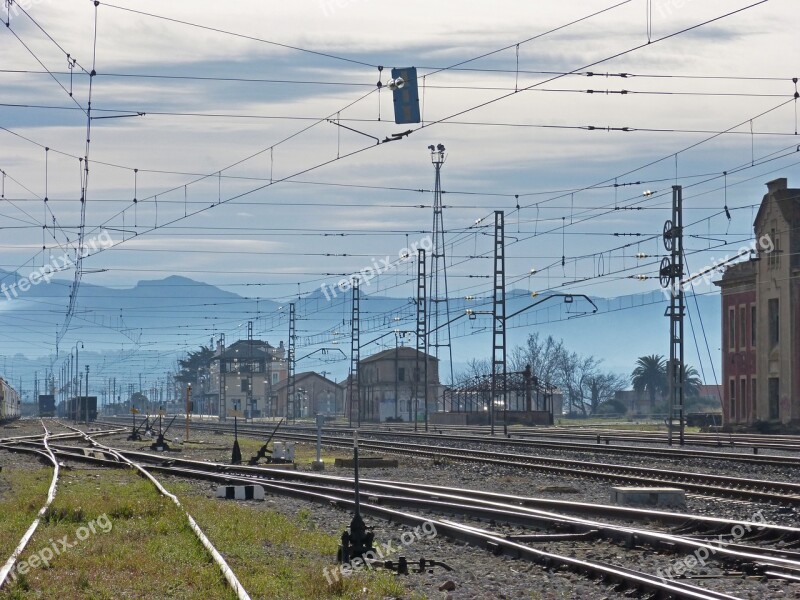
477 573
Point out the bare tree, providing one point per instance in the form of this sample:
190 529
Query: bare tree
475 368
543 356
583 383
603 388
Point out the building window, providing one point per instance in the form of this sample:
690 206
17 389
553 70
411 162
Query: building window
753 407
753 325
743 328
401 374
275 378
731 329
245 385
773 317
743 403
732 399
773 258
774 398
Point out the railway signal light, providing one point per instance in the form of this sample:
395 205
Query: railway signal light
405 93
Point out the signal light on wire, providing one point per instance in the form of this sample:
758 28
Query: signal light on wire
406 95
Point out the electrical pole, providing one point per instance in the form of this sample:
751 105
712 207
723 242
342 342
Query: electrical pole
250 369
87 395
422 341
222 408
671 275
353 389
499 318
438 273
290 356
188 408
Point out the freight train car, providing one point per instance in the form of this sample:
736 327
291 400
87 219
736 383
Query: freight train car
9 402
47 405
75 409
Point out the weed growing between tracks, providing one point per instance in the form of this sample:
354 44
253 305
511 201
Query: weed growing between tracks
278 557
22 494
149 553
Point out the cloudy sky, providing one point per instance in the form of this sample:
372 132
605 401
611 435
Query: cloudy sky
240 176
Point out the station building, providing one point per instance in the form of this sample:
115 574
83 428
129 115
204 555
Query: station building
244 377
314 394
761 318
390 386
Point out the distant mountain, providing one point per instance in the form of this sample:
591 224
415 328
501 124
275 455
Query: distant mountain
152 324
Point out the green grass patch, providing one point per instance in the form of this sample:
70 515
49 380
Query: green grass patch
22 494
141 546
275 556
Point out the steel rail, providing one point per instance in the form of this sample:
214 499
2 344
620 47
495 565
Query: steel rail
678 453
227 572
497 510
701 483
51 494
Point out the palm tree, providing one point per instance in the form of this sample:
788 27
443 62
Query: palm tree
650 375
691 382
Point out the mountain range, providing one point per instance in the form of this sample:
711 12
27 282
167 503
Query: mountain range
145 329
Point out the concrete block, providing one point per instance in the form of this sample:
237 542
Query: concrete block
642 496
283 451
318 465
241 492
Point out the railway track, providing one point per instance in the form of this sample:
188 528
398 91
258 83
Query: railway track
753 490
47 452
704 484
595 448
338 491
787 443
30 445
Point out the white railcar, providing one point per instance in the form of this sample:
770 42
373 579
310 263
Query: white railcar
9 402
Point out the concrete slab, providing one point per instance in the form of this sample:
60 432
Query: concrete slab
643 496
